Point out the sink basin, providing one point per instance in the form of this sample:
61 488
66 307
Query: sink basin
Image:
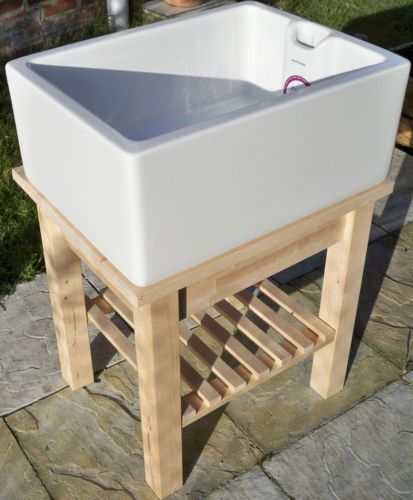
169 144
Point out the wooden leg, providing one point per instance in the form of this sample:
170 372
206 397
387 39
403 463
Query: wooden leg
68 304
157 348
340 294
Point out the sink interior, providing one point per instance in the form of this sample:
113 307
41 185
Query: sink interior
153 81
142 105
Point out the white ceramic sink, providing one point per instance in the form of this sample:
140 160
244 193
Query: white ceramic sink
169 144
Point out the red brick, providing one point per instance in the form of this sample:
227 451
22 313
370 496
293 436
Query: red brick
87 12
7 6
22 20
58 7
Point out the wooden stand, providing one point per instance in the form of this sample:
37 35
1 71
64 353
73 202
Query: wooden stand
155 311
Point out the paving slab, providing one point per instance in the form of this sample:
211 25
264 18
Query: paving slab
87 444
29 361
409 377
393 212
365 453
17 477
405 233
253 484
283 409
385 314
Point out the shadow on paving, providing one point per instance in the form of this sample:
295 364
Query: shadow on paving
390 215
398 202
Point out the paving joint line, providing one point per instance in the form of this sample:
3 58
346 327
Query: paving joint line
332 419
275 481
27 458
382 355
388 233
256 445
409 338
58 391
9 414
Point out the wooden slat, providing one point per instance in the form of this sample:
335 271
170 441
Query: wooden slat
231 344
104 306
194 343
112 333
302 343
220 387
191 402
253 332
211 359
236 304
201 386
202 410
187 410
297 310
122 309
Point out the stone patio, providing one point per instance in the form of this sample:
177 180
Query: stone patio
279 441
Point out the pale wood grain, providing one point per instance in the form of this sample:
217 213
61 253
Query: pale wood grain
68 305
193 379
296 309
298 339
231 344
211 359
253 332
237 277
157 350
112 333
339 299
203 410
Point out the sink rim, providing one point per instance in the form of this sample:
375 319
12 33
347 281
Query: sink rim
23 66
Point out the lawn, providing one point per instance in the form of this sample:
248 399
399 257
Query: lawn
387 23
20 245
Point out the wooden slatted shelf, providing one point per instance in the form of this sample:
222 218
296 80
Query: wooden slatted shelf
251 365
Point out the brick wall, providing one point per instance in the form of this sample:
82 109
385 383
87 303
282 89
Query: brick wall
26 24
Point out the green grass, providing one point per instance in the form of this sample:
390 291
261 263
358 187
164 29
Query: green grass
387 23
20 246
20 255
